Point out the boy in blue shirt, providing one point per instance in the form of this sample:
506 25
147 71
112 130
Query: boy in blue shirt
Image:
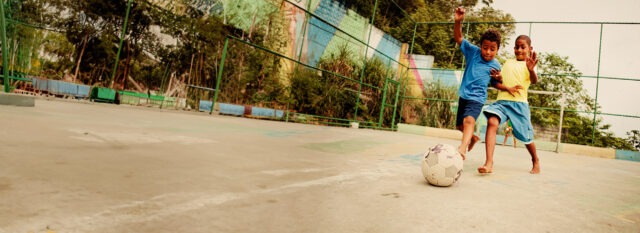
481 66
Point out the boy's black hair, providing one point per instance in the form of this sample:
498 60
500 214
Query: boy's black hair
491 35
525 38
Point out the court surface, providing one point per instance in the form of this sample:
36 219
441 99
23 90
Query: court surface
85 167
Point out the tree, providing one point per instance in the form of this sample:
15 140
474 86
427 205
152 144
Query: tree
388 14
334 92
556 74
329 87
437 38
634 138
24 40
438 110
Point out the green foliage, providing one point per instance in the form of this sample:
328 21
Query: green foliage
556 74
577 129
262 80
327 93
57 47
253 75
606 138
379 85
436 110
24 42
634 138
488 14
389 13
333 92
399 19
473 33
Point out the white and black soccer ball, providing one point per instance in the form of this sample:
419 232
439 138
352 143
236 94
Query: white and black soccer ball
442 165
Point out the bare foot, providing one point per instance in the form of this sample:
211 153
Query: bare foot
462 153
535 169
485 169
473 141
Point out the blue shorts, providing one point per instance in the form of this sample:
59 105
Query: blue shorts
516 112
467 108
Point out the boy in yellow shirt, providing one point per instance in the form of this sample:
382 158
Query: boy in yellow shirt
512 104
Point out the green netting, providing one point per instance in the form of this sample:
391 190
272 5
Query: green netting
141 95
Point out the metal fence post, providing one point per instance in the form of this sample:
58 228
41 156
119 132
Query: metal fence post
563 99
124 30
404 75
5 53
595 104
224 57
384 95
366 54
295 67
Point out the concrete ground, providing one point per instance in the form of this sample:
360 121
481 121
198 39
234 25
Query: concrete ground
84 167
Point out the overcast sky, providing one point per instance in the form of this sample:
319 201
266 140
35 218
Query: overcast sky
580 42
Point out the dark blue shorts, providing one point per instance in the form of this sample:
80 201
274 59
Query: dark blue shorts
467 108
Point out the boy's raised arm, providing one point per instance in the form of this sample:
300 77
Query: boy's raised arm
457 27
531 64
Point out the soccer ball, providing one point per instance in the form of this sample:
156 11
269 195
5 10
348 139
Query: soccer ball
442 165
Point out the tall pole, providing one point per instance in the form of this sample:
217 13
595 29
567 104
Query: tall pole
404 76
563 101
5 53
366 54
295 67
219 78
384 94
124 30
595 104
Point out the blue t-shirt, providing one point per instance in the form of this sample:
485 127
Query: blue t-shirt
476 75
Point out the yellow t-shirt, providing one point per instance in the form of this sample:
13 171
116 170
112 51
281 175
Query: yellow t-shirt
514 73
